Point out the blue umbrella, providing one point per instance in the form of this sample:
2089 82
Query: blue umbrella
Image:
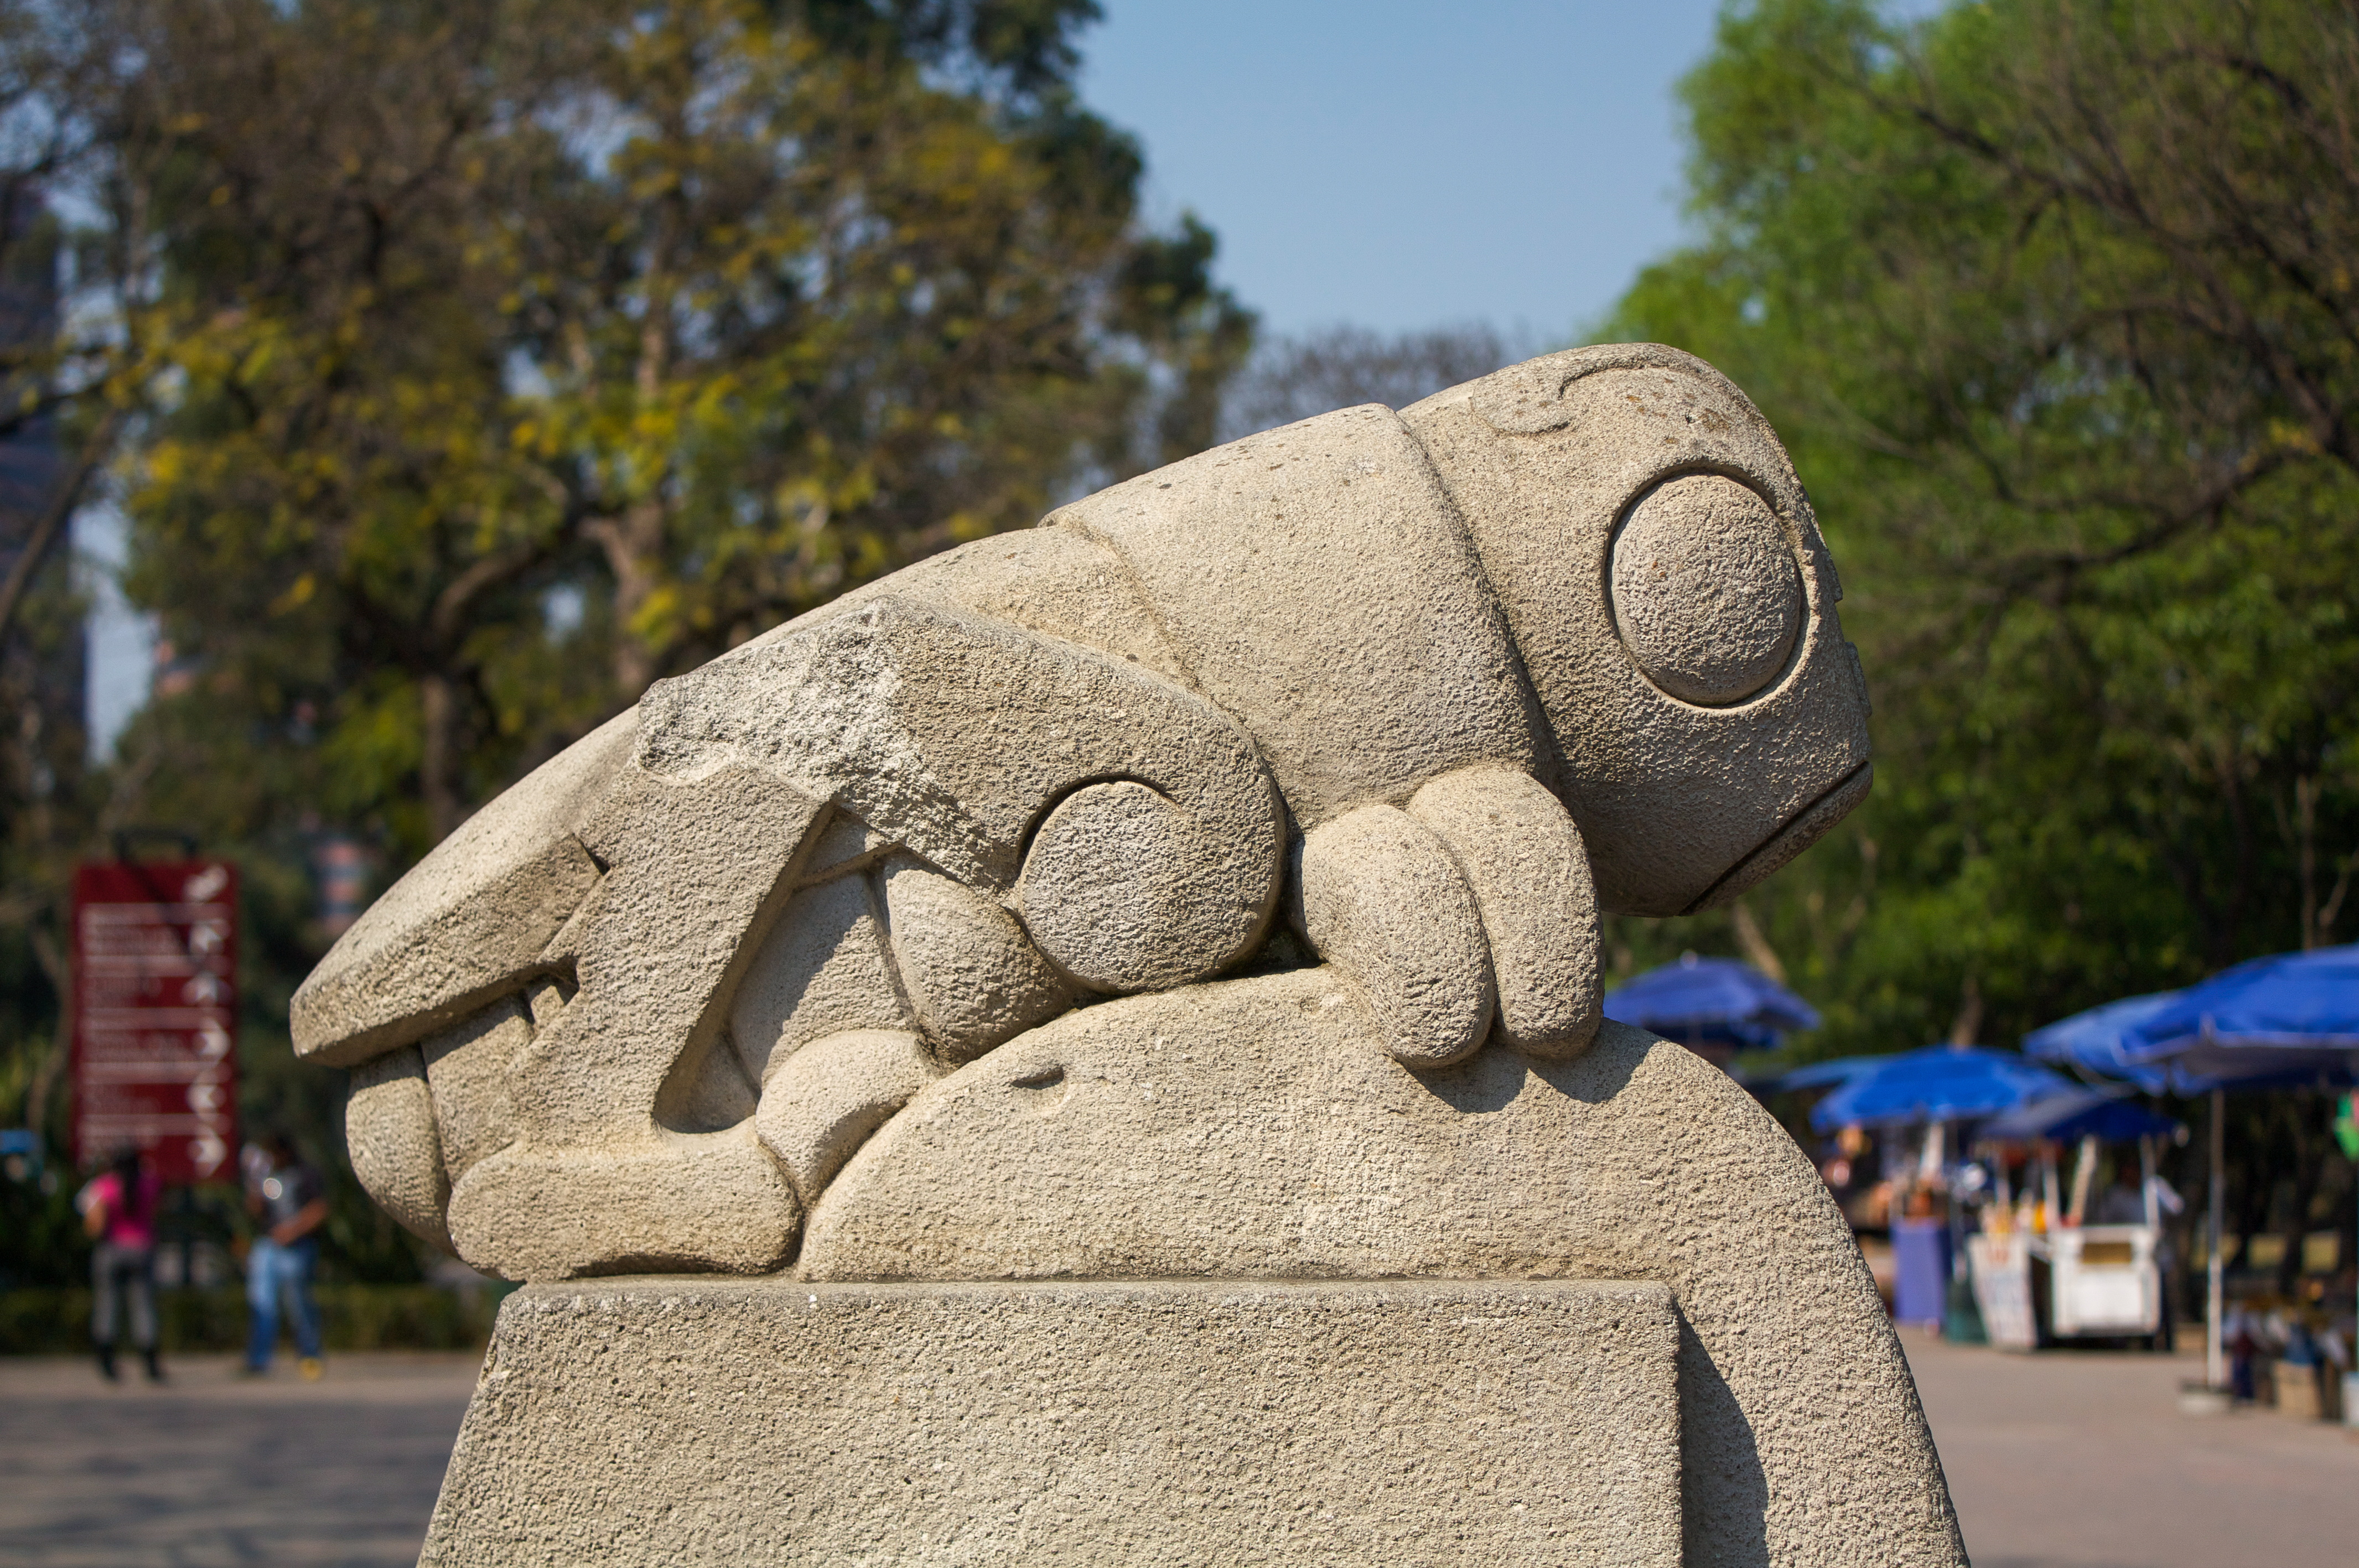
1938 1083
1817 1074
2097 1040
2289 1018
2074 1114
2292 1019
1711 1001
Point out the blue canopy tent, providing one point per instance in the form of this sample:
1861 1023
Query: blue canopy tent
1931 1087
1938 1083
2285 1020
2096 1041
2289 1018
2074 1114
1711 1002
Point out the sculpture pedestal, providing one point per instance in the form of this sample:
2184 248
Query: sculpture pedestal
686 1420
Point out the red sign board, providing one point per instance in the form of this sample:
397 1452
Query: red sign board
155 1014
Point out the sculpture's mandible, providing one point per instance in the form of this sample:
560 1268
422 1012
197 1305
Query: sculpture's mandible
1413 696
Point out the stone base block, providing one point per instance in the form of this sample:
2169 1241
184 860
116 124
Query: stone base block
681 1420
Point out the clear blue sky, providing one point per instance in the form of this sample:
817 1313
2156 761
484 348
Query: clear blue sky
1404 166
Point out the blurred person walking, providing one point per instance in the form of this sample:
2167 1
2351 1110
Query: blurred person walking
118 1213
291 1199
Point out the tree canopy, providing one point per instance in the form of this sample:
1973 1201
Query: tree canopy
2052 301
522 354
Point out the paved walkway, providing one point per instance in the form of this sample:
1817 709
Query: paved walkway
2060 1461
213 1470
2080 1459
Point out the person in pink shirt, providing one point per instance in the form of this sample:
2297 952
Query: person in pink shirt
118 1211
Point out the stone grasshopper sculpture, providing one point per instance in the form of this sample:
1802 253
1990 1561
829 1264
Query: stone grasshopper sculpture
1432 688
1034 966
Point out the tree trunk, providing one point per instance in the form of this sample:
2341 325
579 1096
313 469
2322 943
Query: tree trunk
51 524
2305 827
1755 942
1969 1021
438 764
2301 1120
53 1062
633 545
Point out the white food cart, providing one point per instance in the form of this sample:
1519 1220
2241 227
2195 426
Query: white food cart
2039 1273
2103 1280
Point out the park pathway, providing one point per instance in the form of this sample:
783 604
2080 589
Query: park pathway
2080 1459
211 1471
2074 1460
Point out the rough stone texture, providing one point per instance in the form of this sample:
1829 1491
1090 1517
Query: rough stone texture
825 1100
1085 1423
1680 805
848 844
964 963
1524 859
471 1068
1382 900
470 920
822 971
1705 594
613 1168
954 733
661 1201
1124 891
1087 747
389 1133
1246 1129
1394 668
1559 640
1052 581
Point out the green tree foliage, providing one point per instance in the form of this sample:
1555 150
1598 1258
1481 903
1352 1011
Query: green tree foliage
680 318
2053 303
65 391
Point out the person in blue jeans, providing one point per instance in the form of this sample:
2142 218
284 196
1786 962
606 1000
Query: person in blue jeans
291 1199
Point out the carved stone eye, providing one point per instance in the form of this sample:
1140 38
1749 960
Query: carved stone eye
1705 592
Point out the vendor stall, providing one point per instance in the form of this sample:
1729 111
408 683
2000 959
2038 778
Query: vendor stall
2102 1281
1934 1089
2273 1022
1999 1262
2042 1269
